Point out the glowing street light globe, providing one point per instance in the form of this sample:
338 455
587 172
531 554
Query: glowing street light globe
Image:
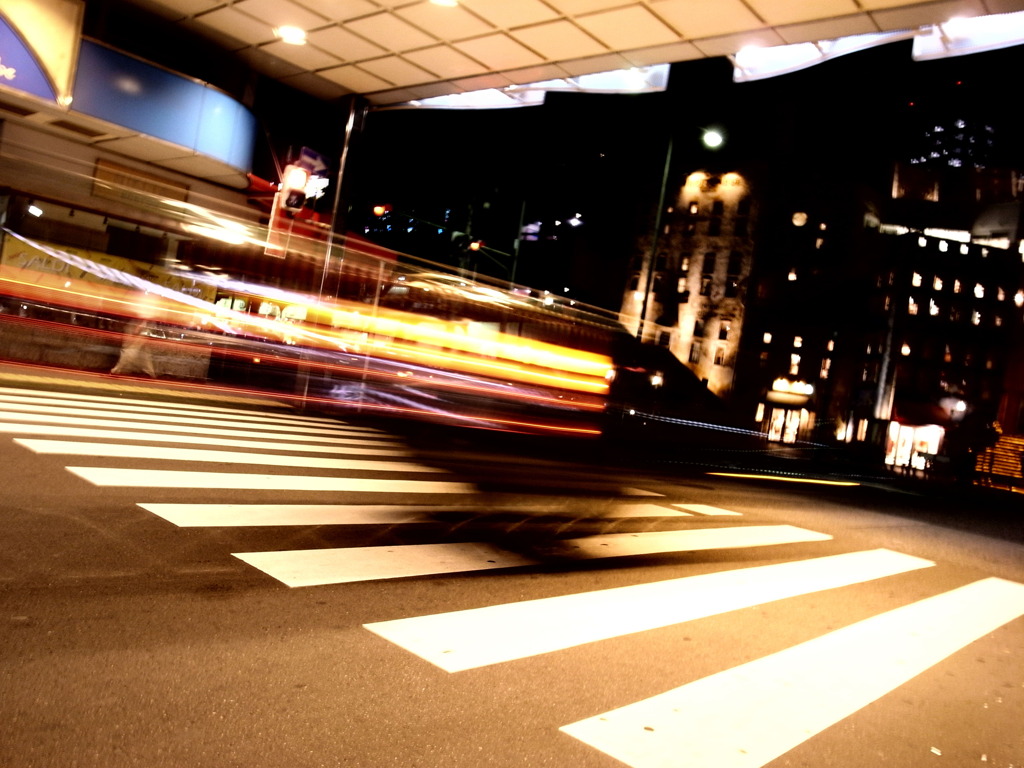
713 139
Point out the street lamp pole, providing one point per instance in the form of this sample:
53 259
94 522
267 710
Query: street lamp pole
651 257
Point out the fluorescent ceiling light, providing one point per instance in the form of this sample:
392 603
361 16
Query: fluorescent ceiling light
291 35
634 80
958 37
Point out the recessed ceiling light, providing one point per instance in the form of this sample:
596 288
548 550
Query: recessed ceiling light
446 3
291 35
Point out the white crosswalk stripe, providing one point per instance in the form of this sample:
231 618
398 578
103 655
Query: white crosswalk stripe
749 715
301 568
478 637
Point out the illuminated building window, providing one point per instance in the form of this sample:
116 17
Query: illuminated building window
694 207
905 349
823 226
947 355
684 264
933 308
998 320
862 430
681 285
695 352
964 249
826 366
759 416
943 246
979 291
792 275
922 242
798 341
819 242
912 306
976 318
937 283
794 365
1018 298
767 338
887 303
831 345
916 280
1000 294
957 286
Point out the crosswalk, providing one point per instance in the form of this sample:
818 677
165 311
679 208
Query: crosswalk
743 717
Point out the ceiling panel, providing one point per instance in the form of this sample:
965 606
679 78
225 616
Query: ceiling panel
494 41
559 40
777 12
445 23
499 52
502 13
630 27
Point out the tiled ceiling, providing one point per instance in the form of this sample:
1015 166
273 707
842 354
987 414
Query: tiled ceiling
394 51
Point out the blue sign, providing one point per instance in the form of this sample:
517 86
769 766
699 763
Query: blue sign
19 68
126 91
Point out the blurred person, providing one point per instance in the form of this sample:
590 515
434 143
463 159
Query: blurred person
136 351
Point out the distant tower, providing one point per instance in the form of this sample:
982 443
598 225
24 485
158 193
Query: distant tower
700 271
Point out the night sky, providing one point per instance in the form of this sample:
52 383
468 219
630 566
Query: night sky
603 156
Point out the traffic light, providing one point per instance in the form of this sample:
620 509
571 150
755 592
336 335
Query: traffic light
293 187
380 210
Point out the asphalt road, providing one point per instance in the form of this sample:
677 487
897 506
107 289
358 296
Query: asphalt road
225 582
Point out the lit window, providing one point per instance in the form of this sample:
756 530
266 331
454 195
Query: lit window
976 318
964 249
823 226
831 345
937 283
998 320
979 291
916 280
1000 294
912 306
695 352
1018 298
933 308
826 365
819 242
720 356
767 338
693 208
794 365
905 349
759 416
943 245
792 275
957 286
798 341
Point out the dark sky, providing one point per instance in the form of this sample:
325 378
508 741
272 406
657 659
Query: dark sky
603 156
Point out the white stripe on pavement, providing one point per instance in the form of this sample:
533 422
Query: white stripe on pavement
338 566
244 515
126 451
99 402
644 510
346 446
167 478
268 425
81 421
475 638
306 568
706 509
687 540
749 715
